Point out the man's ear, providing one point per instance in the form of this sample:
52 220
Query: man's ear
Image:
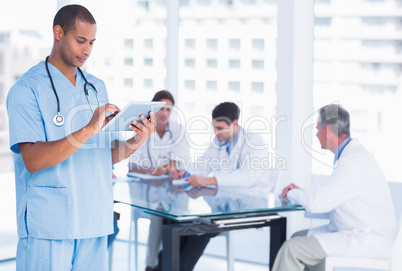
58 32
328 131
235 123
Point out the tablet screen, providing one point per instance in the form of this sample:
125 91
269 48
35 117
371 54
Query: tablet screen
130 112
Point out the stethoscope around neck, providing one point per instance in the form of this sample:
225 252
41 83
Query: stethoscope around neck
224 145
58 119
170 141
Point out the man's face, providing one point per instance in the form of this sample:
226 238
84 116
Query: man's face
76 45
162 116
322 135
222 130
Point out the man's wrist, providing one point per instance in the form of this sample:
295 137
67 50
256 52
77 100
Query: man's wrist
212 181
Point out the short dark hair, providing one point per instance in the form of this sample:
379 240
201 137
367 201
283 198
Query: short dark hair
336 118
227 112
163 95
67 16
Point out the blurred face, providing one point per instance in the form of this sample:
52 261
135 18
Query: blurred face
76 45
224 131
322 136
162 116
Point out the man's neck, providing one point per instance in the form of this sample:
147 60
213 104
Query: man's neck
339 142
68 71
235 133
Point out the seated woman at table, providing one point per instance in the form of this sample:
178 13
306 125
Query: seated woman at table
162 151
165 147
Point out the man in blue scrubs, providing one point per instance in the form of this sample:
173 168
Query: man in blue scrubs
63 170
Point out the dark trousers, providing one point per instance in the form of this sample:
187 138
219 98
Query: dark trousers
112 236
191 249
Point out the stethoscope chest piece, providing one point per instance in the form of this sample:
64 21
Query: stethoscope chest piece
58 120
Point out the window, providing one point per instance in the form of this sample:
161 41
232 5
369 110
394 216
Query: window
148 62
212 44
226 2
143 4
234 44
190 43
128 82
184 3
225 33
148 43
257 64
1 63
189 84
212 63
212 85
249 2
257 87
2 90
234 64
189 62
204 2
257 110
323 21
258 44
129 43
356 58
148 83
234 86
188 107
128 62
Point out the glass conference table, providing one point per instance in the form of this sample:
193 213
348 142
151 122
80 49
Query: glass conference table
194 211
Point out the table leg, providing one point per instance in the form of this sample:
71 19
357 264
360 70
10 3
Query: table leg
277 238
171 249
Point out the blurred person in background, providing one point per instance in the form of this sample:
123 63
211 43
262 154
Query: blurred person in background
163 150
355 198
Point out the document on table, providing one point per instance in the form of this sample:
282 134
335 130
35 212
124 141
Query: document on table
144 176
180 182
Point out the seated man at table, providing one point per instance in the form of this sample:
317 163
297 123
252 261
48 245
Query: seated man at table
234 158
356 197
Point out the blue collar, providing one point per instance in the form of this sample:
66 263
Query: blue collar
340 148
230 145
234 141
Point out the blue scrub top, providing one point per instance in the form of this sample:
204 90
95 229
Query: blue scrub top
73 199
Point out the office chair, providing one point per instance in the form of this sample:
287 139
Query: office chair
392 264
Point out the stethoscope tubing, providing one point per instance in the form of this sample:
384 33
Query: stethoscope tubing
59 119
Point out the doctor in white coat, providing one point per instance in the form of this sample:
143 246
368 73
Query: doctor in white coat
362 220
234 158
163 150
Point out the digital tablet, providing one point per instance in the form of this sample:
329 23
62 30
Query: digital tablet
132 111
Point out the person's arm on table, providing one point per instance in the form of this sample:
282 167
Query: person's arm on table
196 180
286 190
40 155
332 193
156 171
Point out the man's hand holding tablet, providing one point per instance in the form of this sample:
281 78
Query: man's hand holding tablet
130 114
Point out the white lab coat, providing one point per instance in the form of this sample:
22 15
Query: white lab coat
247 165
357 198
158 151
